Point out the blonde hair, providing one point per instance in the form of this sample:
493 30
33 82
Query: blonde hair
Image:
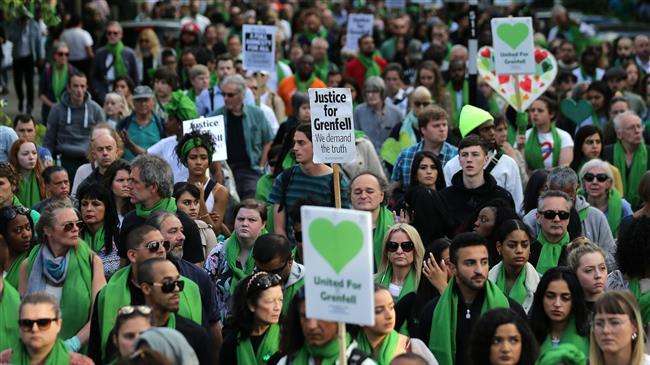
119 99
154 43
418 252
578 248
618 302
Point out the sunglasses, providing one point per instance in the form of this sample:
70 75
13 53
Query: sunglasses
407 246
112 33
9 213
550 214
70 226
264 280
154 246
589 177
169 286
42 323
130 309
419 104
278 270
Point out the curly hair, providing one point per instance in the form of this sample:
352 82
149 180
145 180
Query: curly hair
197 139
483 336
248 292
7 171
632 250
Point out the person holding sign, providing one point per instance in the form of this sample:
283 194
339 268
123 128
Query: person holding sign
367 63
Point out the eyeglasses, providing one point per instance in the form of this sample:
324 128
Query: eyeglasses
130 309
169 286
230 95
42 323
420 104
112 33
70 226
407 246
264 280
154 246
9 213
589 177
278 270
63 54
550 214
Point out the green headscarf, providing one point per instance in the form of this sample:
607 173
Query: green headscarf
269 346
533 150
631 177
29 192
58 355
9 303
233 247
181 106
550 255
328 354
165 204
642 298
384 221
409 285
118 61
194 143
59 81
518 291
372 67
386 350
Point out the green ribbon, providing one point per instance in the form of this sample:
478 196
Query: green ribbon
442 338
9 303
409 285
118 61
631 177
269 346
550 255
642 298
301 85
59 81
384 221
386 350
13 272
58 355
518 292
327 354
29 192
233 248
570 336
289 293
95 241
371 66
164 204
533 150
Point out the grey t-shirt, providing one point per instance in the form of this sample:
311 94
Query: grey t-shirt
377 126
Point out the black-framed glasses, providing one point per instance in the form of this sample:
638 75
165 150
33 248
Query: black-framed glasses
589 177
130 309
70 226
551 214
10 212
42 323
264 280
169 286
407 246
154 246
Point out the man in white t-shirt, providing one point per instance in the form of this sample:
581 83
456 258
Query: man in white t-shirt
80 44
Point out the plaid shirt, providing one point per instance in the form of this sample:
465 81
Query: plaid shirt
402 169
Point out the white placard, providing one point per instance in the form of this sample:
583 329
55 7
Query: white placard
217 127
358 25
332 126
395 4
337 247
514 51
259 47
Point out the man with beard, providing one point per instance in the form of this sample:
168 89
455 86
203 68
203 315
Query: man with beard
304 79
367 63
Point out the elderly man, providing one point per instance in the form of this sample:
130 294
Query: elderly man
112 61
585 220
629 154
248 136
318 50
375 117
142 129
104 150
552 215
642 52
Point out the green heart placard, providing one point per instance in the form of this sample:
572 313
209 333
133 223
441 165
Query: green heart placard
337 244
513 34
577 112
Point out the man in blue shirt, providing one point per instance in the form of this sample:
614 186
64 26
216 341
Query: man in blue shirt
142 129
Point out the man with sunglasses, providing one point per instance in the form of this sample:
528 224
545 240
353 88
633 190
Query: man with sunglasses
549 249
54 77
213 98
163 287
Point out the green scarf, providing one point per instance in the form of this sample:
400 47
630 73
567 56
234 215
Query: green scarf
322 69
384 221
28 190
564 353
386 350
533 150
442 339
264 187
392 147
290 292
303 86
372 67
518 291
642 298
232 254
166 204
570 336
9 303
118 61
13 272
632 176
77 288
269 346
95 241
409 285
58 355
328 354
550 255
455 111
614 210
116 295
59 80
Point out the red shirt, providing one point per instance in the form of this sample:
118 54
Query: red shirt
356 70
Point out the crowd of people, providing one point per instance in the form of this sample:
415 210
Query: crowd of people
499 237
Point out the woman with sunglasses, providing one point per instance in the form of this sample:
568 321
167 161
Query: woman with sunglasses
559 315
587 261
100 224
617 335
17 229
131 321
514 275
23 155
597 187
252 333
589 141
64 266
116 180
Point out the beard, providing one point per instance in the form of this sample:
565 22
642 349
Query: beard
471 284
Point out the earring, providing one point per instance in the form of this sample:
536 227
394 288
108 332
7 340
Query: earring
634 335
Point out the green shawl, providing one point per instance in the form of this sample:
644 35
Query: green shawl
301 85
409 285
116 295
455 111
570 336
564 353
442 339
290 292
166 204
518 292
642 298
328 354
95 241
631 177
13 272
29 192
386 350
533 150
371 66
614 210
384 221
550 255
118 61
77 288
9 303
58 355
269 346
232 254
59 81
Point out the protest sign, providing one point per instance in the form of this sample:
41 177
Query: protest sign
395 4
332 127
259 47
358 25
337 246
214 125
513 45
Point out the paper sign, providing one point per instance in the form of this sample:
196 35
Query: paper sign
358 25
395 4
332 127
337 246
259 47
216 126
513 45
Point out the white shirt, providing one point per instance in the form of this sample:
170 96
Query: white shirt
82 173
505 172
165 150
77 40
578 74
546 142
271 119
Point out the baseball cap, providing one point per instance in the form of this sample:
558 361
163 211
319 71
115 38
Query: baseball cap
142 92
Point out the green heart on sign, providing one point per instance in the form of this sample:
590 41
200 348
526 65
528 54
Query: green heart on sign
576 112
339 244
513 34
